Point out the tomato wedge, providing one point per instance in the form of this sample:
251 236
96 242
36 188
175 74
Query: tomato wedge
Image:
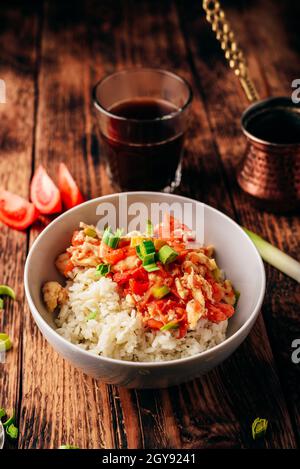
15 211
70 193
44 193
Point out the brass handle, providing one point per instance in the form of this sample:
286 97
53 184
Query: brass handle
215 15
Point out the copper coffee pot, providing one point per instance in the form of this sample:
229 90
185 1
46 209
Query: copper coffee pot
270 170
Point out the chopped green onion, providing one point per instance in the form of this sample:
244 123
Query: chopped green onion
9 421
166 254
91 315
2 412
160 292
1 303
103 269
169 326
12 431
111 239
146 248
5 342
151 267
138 251
275 257
149 228
259 428
149 259
89 231
68 447
6 290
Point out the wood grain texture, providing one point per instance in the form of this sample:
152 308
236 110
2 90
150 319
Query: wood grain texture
281 306
18 32
62 50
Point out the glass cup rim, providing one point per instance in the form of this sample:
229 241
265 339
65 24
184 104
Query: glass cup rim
125 71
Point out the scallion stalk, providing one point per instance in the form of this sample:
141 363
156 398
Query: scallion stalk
275 257
111 239
160 292
166 254
7 291
169 326
12 431
5 342
103 269
259 428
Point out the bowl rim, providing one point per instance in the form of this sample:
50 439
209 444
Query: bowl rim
38 317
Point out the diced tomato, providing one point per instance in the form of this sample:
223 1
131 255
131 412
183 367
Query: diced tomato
182 329
15 211
44 193
77 238
137 287
219 312
218 292
154 324
70 193
138 274
69 266
115 255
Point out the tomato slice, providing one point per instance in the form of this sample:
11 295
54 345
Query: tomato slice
70 193
154 324
44 193
15 211
219 312
138 287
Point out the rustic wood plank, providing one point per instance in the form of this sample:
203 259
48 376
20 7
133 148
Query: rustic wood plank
59 403
81 43
225 103
160 25
18 34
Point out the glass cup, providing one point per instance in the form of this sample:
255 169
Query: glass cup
142 117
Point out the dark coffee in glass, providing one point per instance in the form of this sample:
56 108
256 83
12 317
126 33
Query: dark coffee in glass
142 127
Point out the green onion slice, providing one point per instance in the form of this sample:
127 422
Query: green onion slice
5 342
151 267
275 257
2 412
12 431
146 247
9 421
259 428
103 269
91 315
160 292
166 254
89 231
1 303
169 326
111 239
6 290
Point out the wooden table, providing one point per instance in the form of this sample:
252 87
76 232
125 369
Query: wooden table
51 56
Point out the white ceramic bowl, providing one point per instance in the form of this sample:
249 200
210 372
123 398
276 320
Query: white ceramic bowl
235 254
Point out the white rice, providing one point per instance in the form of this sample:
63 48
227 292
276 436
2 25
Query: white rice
117 330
